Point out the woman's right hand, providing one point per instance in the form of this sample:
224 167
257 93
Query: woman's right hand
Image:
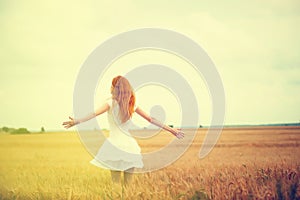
178 133
69 124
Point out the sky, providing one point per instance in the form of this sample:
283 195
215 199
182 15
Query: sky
254 45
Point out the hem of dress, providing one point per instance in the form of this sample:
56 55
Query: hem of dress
105 166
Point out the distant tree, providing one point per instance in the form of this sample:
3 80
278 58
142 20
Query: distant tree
10 130
171 126
5 129
42 129
200 126
20 131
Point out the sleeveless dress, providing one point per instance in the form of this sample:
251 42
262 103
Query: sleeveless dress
120 151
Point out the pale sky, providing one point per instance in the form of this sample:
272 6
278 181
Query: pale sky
255 46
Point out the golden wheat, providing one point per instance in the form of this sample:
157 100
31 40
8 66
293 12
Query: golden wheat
246 163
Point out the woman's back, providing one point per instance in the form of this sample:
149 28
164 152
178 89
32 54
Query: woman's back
117 127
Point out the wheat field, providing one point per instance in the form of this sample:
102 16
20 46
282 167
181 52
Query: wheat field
246 163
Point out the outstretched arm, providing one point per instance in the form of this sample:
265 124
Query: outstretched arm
177 132
73 122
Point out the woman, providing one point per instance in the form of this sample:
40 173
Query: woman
120 152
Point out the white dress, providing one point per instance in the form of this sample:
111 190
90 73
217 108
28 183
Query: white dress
120 151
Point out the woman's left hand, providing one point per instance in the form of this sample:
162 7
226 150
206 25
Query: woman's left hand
69 124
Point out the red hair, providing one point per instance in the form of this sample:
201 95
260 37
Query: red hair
123 93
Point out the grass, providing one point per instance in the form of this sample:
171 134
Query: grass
255 163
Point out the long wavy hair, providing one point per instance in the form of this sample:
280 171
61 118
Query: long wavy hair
122 92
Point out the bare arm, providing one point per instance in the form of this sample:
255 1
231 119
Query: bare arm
177 132
99 111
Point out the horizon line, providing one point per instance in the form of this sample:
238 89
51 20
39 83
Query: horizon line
188 127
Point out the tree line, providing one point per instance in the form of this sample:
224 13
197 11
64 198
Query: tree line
5 129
